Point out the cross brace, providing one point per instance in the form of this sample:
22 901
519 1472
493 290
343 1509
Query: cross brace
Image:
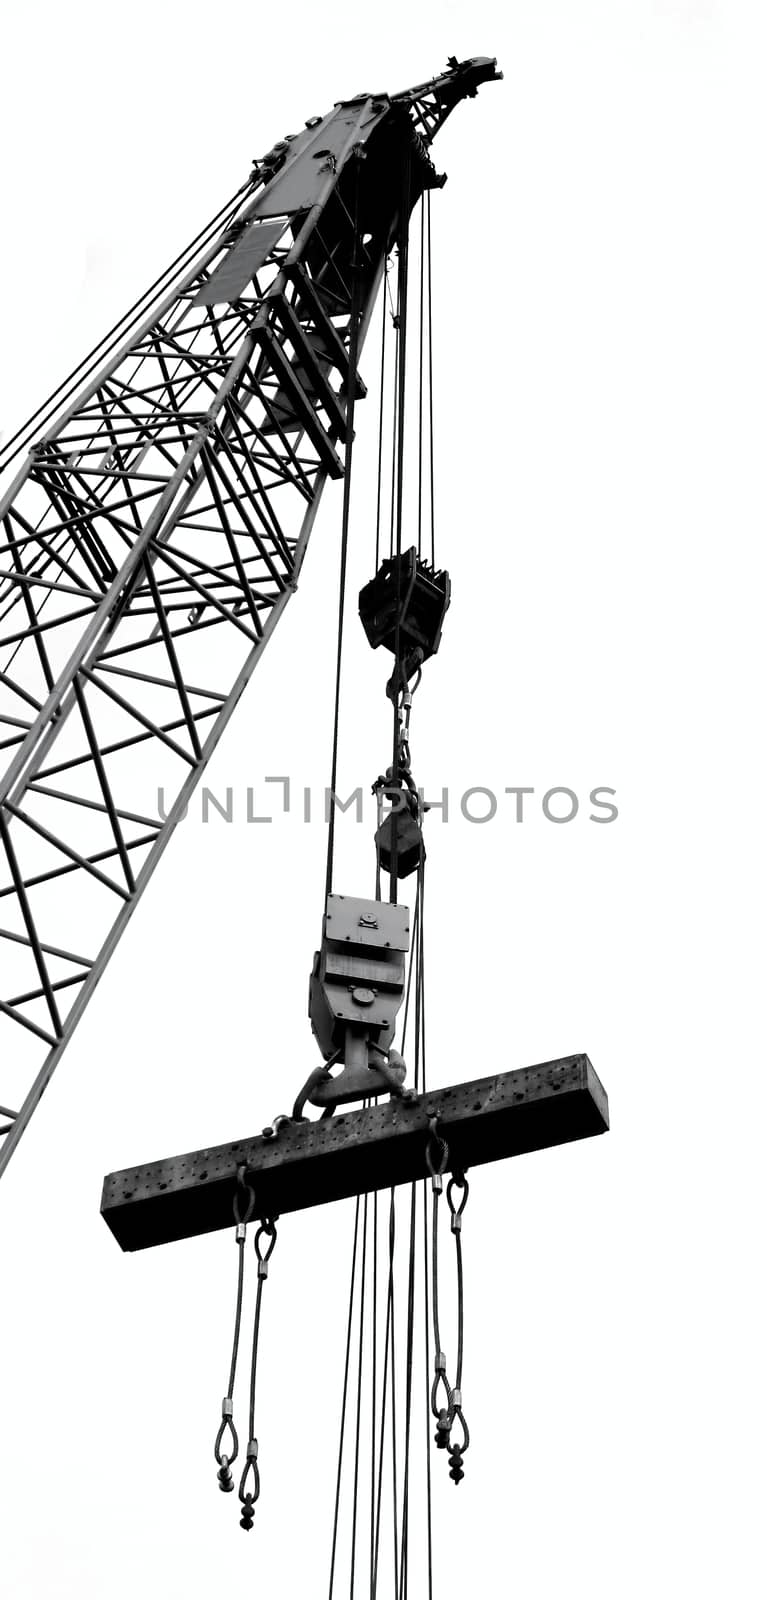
310 1163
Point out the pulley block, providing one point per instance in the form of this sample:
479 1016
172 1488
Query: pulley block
400 831
403 607
358 977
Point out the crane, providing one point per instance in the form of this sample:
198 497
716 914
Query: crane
173 494
166 506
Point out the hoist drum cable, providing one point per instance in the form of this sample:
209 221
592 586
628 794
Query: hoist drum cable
345 519
420 370
384 1391
416 967
379 468
374 1388
119 331
401 376
385 1408
412 966
355 1492
395 414
424 1193
393 1395
430 348
342 1429
405 1528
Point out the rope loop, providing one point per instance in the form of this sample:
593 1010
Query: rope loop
266 1230
442 1412
457 1181
458 1451
243 1194
459 1416
248 1497
434 1140
225 1458
224 1461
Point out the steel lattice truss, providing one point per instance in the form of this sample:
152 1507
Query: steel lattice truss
173 498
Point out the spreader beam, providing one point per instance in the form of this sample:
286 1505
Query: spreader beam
311 1163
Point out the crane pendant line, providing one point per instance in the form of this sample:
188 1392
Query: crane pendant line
175 495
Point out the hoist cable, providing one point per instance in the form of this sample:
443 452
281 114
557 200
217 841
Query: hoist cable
430 347
420 373
399 1442
119 330
426 1373
395 413
378 1473
342 1430
345 514
359 1390
374 1387
400 452
379 471
393 1400
416 967
404 1550
388 1367
411 970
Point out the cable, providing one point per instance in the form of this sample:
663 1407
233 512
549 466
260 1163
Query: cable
359 1392
380 426
427 1383
401 375
420 372
388 1366
374 1386
404 1553
345 517
427 1408
343 1401
431 377
395 415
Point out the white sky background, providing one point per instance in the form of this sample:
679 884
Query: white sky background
600 270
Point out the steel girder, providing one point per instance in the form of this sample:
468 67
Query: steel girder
176 496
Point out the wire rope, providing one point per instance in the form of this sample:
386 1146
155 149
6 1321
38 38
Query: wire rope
430 348
402 306
345 519
355 1491
379 469
342 1431
421 275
